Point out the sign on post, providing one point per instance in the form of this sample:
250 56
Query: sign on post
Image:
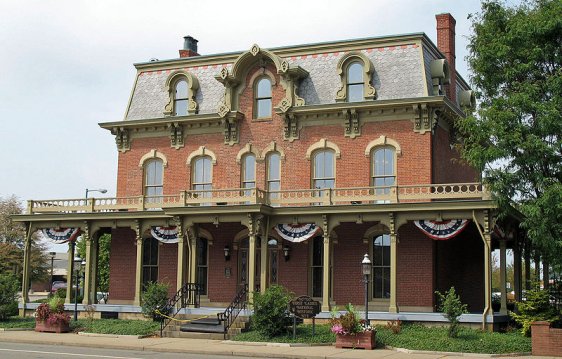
304 307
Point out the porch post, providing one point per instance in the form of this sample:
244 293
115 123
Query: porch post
487 277
25 280
180 277
94 266
193 256
264 263
326 273
251 265
517 270
393 306
138 274
503 308
69 272
87 299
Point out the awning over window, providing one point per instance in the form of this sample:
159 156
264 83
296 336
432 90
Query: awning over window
297 232
165 234
60 235
441 230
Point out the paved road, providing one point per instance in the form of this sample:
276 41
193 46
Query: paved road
41 351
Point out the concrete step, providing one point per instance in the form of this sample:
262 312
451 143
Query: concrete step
194 335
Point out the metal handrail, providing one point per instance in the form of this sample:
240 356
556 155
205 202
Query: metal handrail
233 310
189 294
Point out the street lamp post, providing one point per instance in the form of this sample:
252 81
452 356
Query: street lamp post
366 269
100 190
52 254
77 262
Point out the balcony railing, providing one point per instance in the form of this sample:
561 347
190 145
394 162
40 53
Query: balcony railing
282 198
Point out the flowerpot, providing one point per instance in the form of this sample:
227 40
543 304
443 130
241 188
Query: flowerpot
364 340
52 328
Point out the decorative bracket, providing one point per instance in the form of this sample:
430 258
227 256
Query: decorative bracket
122 138
290 128
352 126
230 123
176 135
425 118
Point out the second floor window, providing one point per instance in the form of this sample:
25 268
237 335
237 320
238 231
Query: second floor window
249 172
273 172
324 174
355 83
262 101
383 173
180 98
202 175
153 177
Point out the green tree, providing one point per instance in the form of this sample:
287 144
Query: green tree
452 308
11 232
515 135
103 259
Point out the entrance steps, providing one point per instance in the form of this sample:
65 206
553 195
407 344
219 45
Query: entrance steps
207 327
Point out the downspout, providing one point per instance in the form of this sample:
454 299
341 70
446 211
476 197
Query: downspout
486 247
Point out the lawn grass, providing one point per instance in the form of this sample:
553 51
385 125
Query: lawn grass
414 337
115 326
18 323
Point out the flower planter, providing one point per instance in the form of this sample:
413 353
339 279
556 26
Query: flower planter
52 328
365 340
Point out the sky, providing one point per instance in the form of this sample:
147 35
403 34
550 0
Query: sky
67 65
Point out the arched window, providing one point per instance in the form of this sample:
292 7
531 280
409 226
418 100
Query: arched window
149 260
383 169
381 266
248 172
153 178
355 82
324 172
202 176
262 98
273 173
181 98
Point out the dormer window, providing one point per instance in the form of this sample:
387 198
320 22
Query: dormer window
262 98
355 82
180 98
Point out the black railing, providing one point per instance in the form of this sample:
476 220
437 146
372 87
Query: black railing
188 295
233 310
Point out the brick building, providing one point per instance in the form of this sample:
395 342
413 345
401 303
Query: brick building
285 166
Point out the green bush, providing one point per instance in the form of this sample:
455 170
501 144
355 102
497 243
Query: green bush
61 293
8 296
155 295
536 307
271 315
452 308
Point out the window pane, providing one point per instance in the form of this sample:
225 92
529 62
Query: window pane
180 107
379 163
154 173
355 73
389 161
274 186
273 167
328 164
317 281
201 251
319 165
202 279
264 107
206 169
264 88
249 168
355 93
318 251
181 89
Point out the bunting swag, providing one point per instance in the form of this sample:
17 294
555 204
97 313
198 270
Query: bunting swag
442 230
61 235
165 234
297 232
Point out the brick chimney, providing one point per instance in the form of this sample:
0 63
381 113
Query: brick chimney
189 47
446 44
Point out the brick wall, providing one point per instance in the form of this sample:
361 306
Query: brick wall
546 341
167 266
122 261
447 164
415 257
293 274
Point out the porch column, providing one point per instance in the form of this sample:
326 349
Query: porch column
138 274
193 259
326 274
393 307
25 280
88 297
70 272
487 277
251 265
94 268
180 277
503 308
264 264
517 270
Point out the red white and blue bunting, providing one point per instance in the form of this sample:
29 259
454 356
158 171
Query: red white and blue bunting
61 235
165 234
297 232
442 230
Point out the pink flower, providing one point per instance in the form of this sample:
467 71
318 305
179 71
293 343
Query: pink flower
337 329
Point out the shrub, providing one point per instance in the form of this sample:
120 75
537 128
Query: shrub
452 308
395 326
8 296
61 293
536 307
155 296
271 315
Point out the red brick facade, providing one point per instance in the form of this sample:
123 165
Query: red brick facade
546 341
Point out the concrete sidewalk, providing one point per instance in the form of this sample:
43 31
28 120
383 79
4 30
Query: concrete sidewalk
218 347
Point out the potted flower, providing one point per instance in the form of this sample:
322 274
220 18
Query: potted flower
351 331
50 317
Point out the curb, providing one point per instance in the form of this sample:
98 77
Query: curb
461 354
282 345
15 329
86 334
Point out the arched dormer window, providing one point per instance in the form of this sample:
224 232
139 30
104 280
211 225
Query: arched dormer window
355 71
262 98
182 88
